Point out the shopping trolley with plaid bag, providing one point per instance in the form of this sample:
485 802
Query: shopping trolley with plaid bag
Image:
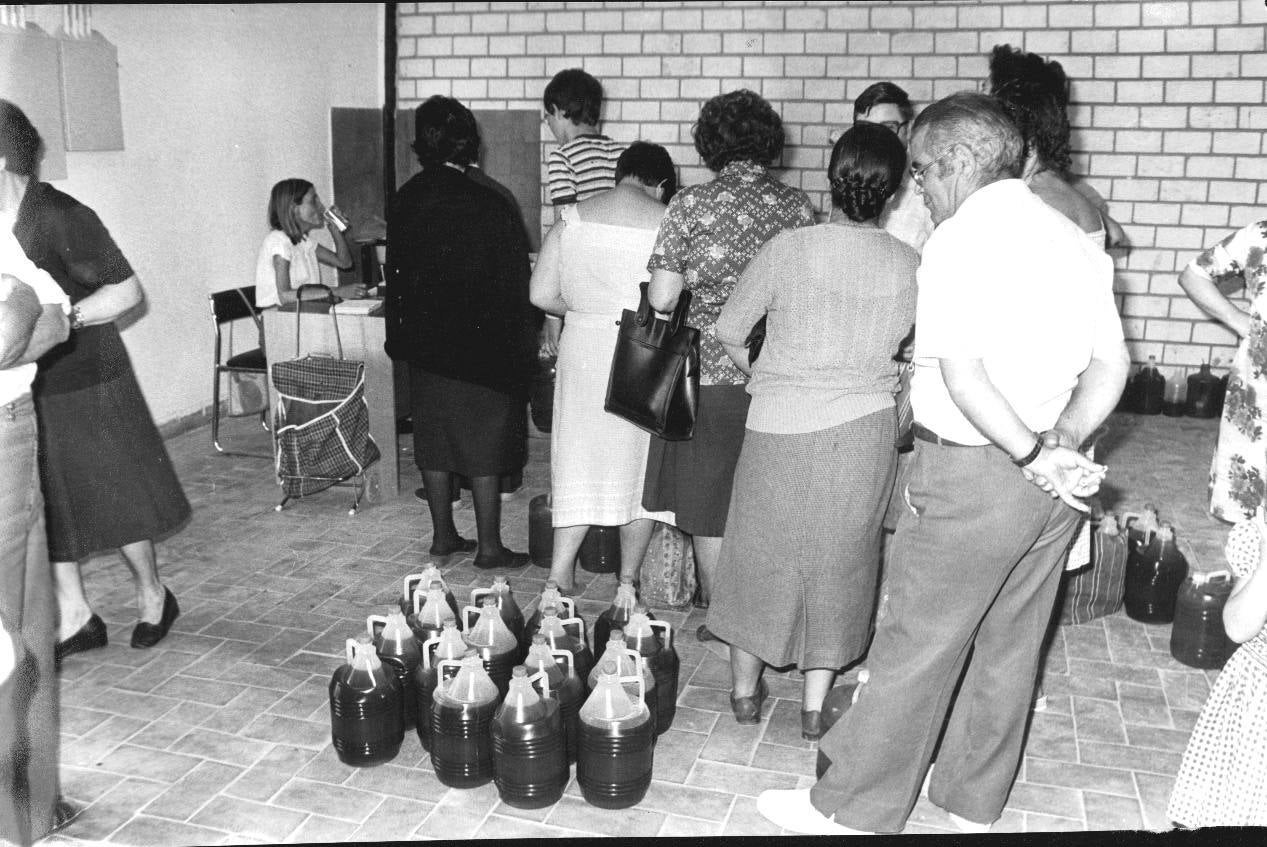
322 422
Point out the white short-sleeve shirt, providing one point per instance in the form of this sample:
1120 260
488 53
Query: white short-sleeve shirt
1010 281
16 381
304 268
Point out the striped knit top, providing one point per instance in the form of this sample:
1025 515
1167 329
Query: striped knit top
583 167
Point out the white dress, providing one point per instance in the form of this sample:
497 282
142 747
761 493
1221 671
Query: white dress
597 460
1223 778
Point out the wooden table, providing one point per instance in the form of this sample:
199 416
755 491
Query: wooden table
363 337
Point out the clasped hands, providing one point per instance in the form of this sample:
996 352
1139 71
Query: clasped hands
1063 472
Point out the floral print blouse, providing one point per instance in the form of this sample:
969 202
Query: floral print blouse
709 233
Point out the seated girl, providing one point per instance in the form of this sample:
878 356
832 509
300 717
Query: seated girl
289 256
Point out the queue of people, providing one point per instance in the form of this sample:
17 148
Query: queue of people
961 228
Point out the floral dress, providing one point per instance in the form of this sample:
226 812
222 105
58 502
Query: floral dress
1240 461
709 233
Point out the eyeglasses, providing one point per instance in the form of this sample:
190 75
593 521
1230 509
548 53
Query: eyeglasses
917 174
892 126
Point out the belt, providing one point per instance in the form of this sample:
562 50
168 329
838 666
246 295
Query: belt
923 433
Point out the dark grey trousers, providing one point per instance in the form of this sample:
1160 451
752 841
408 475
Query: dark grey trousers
976 564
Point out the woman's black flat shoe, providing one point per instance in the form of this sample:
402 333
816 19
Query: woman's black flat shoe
748 709
463 545
149 634
90 636
508 560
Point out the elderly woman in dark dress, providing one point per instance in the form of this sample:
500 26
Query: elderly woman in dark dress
709 233
108 481
458 312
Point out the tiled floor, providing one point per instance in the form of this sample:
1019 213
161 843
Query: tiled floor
221 734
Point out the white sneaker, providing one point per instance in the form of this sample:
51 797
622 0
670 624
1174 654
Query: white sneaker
968 826
792 810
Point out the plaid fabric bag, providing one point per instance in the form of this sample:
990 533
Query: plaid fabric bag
322 423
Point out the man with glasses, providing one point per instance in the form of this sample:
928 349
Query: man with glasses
905 217
1019 338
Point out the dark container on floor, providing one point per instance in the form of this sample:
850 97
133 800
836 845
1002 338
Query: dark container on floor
1197 637
399 651
616 615
461 719
530 765
1203 394
1150 389
540 531
1152 583
447 646
366 724
617 746
600 551
565 685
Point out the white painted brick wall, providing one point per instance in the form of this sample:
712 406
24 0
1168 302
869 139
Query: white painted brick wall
1168 113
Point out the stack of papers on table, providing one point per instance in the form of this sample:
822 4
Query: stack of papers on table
366 306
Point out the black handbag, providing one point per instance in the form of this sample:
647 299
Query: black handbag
654 379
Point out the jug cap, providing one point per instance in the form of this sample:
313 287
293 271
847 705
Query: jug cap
550 583
538 638
489 601
436 585
550 609
500 581
627 580
519 672
617 634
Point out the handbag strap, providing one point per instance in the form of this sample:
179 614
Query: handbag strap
677 321
328 296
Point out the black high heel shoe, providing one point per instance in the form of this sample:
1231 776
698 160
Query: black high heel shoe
149 634
90 636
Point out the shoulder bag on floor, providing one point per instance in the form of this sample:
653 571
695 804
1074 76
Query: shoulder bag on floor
654 379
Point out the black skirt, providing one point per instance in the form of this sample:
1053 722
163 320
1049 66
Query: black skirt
693 478
466 428
107 478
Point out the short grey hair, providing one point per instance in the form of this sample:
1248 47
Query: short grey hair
979 123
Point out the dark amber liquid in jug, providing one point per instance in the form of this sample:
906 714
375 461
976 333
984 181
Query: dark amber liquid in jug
617 746
616 615
1197 637
1150 389
600 551
366 722
399 651
461 719
1203 394
530 765
1152 581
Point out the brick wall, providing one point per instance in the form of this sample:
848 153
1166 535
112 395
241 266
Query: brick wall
1168 98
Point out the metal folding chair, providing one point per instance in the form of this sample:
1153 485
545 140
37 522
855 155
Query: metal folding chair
226 306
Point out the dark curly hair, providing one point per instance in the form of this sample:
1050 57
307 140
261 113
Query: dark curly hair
738 126
650 164
866 168
1035 93
445 131
576 94
20 143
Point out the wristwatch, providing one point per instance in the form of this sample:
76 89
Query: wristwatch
76 317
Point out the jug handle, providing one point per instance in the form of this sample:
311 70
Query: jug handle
466 616
419 599
570 659
375 619
579 624
642 681
410 585
441 665
348 647
479 593
540 677
668 632
433 641
570 605
1218 576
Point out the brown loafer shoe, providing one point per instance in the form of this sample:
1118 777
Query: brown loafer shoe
748 709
